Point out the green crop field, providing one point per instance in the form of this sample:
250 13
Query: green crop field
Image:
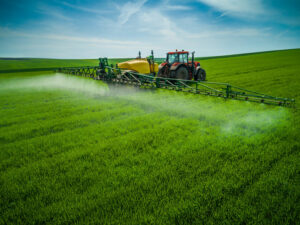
75 151
8 65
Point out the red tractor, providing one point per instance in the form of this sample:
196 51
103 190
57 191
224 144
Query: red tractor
178 66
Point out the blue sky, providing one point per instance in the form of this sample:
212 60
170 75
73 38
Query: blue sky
94 28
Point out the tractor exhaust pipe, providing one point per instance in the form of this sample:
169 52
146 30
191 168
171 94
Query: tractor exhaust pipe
193 65
152 54
152 63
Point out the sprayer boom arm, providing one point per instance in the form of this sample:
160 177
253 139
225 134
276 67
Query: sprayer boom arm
111 74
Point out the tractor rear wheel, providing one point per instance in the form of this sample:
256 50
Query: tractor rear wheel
182 73
201 74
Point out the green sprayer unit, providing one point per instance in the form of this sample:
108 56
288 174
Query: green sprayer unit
114 75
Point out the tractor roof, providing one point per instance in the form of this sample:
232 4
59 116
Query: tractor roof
178 52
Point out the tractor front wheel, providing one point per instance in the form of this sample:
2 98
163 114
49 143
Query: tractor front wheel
201 74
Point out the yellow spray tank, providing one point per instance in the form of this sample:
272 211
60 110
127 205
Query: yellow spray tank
140 65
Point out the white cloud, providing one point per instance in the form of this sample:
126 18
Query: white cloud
4 32
88 39
86 9
241 8
155 23
233 32
177 7
28 44
129 9
171 5
52 11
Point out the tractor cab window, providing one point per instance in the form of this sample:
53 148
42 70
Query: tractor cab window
183 58
173 58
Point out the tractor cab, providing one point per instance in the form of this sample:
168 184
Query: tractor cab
178 66
177 57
